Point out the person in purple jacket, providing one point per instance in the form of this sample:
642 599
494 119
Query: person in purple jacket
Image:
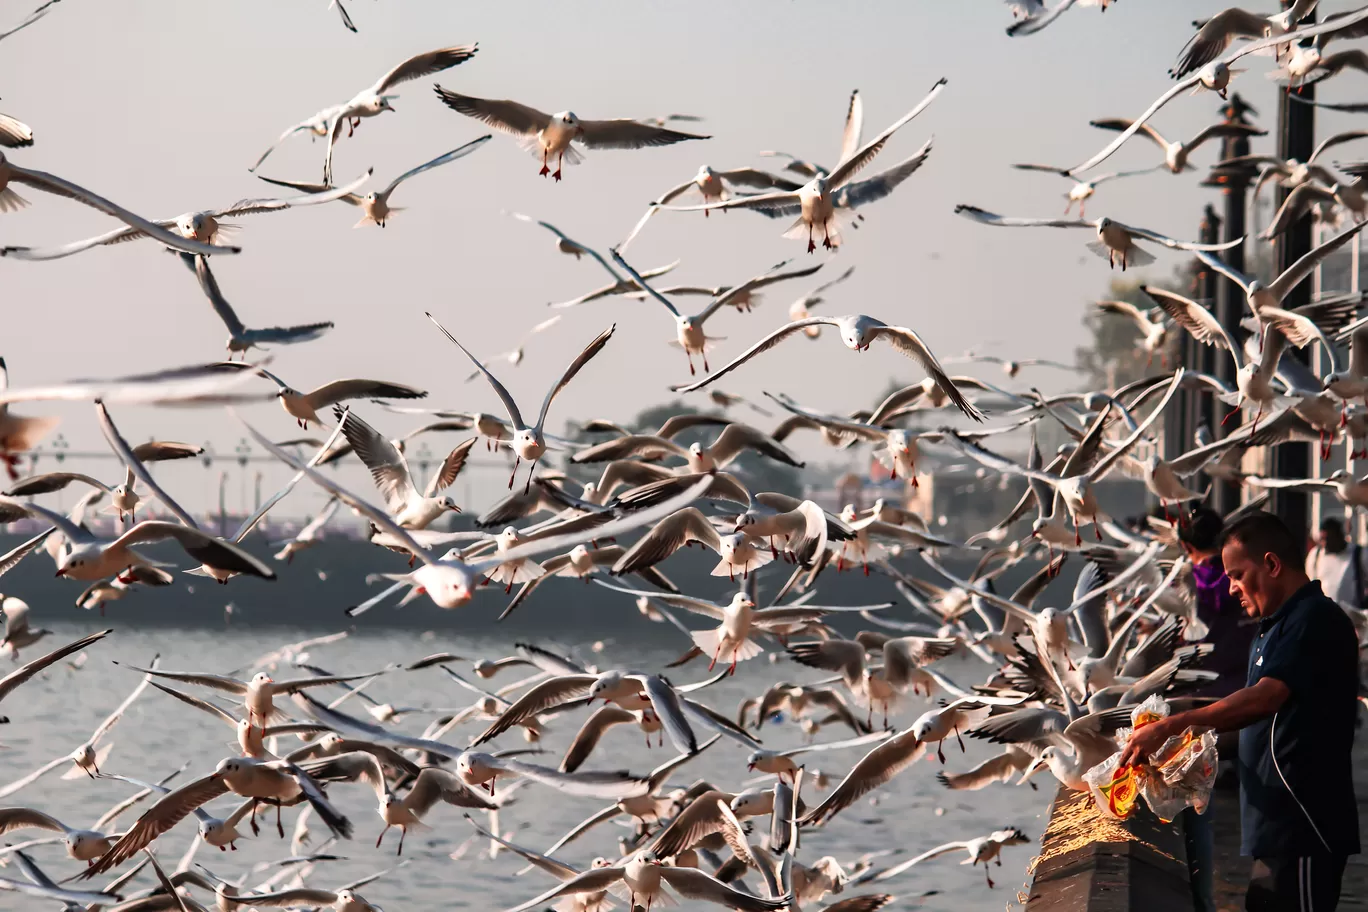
1229 630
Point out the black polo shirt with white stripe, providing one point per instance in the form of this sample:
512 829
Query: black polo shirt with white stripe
1296 776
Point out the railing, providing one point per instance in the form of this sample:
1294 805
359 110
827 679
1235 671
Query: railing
1091 863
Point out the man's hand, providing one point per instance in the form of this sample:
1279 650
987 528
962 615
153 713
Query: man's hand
1145 741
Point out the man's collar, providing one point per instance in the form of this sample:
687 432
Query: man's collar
1312 587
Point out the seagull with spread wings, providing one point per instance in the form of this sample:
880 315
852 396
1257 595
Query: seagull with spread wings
858 332
203 225
374 206
11 201
124 497
240 338
374 100
529 441
816 202
1115 241
547 135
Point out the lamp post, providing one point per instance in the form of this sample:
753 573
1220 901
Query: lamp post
1296 140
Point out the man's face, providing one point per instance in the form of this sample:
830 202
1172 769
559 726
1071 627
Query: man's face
1254 580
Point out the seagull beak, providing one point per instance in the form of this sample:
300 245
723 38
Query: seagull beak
61 572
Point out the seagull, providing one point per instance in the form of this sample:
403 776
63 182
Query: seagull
874 769
1176 153
10 201
1214 35
310 534
18 434
858 332
744 297
304 407
815 201
739 553
18 634
82 845
86 758
713 186
430 787
1082 190
690 334
221 833
28 20
515 356
375 207
546 135
375 99
1261 298
258 692
980 851
1321 201
205 225
273 781
92 558
1032 15
1151 324
124 497
1216 75
197 384
1115 240
529 443
780 763
801 309
240 338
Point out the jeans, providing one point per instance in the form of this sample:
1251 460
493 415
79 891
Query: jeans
1198 835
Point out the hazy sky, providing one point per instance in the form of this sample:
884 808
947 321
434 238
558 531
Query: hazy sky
167 116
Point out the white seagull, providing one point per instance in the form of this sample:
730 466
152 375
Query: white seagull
547 135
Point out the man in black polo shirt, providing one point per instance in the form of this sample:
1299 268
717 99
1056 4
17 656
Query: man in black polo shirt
1296 719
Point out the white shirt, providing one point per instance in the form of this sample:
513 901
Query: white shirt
1336 579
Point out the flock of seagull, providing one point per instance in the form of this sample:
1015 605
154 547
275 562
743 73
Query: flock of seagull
1059 681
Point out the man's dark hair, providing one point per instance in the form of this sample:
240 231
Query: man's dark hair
1263 533
1201 529
1335 542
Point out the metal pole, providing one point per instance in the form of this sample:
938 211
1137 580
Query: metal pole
1229 299
1296 140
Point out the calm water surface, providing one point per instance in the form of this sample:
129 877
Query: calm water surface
53 714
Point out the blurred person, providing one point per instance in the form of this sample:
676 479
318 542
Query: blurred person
1338 564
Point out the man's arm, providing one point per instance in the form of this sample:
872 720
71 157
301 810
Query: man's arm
1244 706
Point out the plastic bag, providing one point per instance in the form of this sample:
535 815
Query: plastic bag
1179 774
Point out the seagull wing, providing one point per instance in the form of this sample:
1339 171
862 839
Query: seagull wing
629 134
205 548
171 809
220 304
388 467
544 696
424 64
506 115
764 345
458 152
876 768
866 153
859 193
12 680
990 218
854 126
692 883
451 467
53 184
584 357
499 390
667 537
910 344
